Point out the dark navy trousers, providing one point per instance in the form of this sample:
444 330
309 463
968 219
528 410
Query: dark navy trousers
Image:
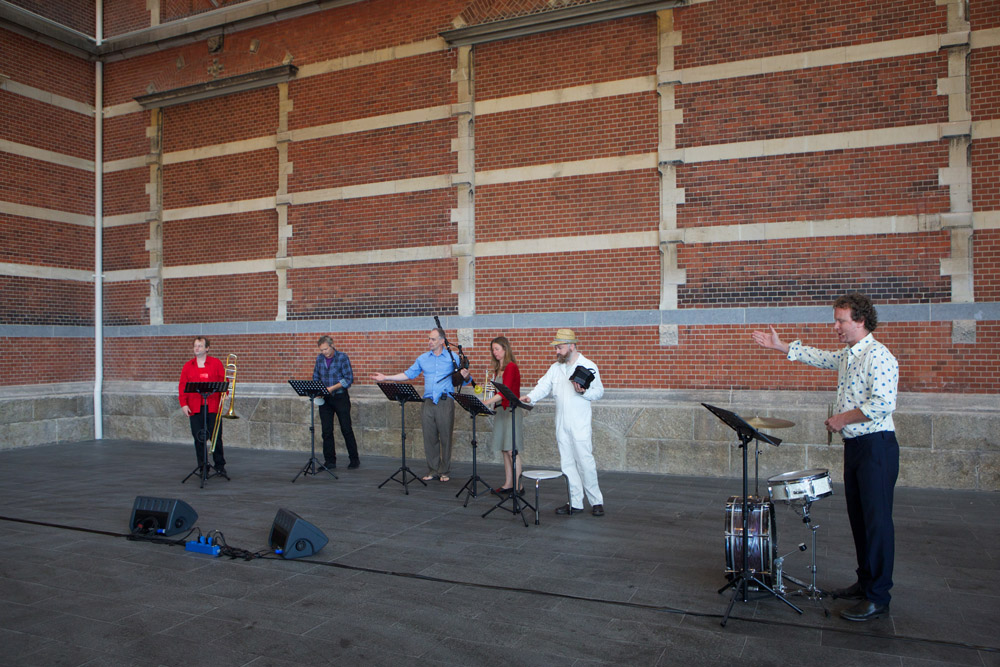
871 466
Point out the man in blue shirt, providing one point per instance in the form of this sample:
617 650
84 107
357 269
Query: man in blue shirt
438 413
333 369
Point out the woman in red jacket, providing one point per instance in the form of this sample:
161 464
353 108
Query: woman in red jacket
504 368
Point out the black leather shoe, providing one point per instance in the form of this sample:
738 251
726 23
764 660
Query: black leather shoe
567 510
503 490
354 464
597 510
866 610
329 465
852 592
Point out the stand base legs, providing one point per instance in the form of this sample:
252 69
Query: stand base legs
403 472
203 473
472 486
313 467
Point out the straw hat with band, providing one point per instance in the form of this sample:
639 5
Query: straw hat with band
564 336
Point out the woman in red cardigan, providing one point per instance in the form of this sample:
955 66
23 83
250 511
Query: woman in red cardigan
504 368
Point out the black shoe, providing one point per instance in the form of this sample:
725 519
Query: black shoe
567 510
866 610
354 464
503 490
221 471
852 592
329 466
597 510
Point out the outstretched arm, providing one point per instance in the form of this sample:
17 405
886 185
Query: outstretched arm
770 340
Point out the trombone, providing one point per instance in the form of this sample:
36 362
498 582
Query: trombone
230 393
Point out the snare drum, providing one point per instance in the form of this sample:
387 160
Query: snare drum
762 538
805 485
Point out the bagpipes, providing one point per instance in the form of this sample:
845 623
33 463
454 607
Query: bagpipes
457 379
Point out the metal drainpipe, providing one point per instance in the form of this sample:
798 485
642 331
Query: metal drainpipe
99 231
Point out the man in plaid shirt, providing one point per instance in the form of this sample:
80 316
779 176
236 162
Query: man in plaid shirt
333 369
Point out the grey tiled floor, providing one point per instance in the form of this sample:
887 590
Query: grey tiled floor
419 578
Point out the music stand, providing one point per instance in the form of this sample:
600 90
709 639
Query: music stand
312 389
514 497
402 393
741 581
475 407
206 389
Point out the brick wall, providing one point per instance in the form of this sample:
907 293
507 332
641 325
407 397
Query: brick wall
28 242
858 183
52 302
890 269
422 196
373 290
578 281
575 205
856 96
224 238
410 151
728 28
407 84
372 223
220 298
80 15
605 52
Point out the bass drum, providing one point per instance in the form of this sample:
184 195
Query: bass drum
762 538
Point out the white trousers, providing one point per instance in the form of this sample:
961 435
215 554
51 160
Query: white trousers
576 459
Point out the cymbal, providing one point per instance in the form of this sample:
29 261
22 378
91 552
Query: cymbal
769 422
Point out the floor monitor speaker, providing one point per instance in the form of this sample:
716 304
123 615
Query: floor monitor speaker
294 537
163 516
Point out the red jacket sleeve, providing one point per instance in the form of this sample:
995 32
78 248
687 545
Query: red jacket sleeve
512 378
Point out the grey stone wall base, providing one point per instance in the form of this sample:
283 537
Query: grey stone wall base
947 441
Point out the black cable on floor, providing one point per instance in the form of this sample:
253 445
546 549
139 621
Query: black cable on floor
242 553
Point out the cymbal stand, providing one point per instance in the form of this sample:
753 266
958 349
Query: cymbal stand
740 583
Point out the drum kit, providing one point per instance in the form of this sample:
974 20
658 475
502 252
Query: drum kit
797 489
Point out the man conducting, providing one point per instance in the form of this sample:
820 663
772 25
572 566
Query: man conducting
867 375
573 421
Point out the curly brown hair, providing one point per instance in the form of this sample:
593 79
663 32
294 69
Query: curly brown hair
861 309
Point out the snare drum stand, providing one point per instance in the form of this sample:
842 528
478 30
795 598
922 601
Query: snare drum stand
811 592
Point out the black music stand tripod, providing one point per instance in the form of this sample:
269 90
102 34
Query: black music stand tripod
517 503
741 581
475 407
313 389
206 389
402 393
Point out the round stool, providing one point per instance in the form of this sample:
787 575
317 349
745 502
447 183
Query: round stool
538 476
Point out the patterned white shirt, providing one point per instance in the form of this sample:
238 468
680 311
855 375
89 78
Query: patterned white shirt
867 376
